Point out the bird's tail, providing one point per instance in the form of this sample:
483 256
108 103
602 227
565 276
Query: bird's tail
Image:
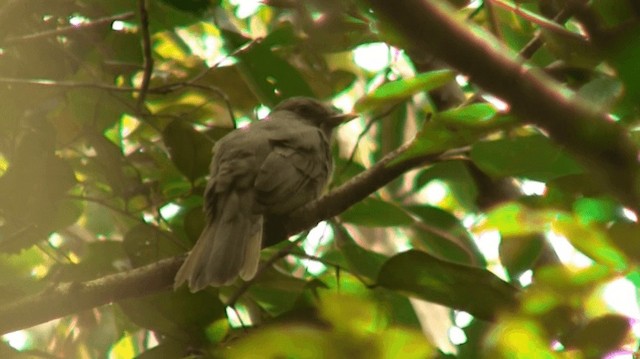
228 247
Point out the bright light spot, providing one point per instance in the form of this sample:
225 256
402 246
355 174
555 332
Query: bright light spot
372 57
488 243
246 8
262 112
238 317
567 253
462 319
344 103
627 213
128 124
169 210
556 345
457 336
497 103
462 80
533 188
118 25
148 217
434 192
469 221
620 295
318 236
76 20
243 122
55 240
526 278
39 271
152 340
17 340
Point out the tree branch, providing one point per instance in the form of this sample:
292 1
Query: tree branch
68 298
146 51
602 145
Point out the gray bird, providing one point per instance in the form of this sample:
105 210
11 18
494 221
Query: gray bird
269 168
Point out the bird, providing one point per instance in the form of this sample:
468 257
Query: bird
269 168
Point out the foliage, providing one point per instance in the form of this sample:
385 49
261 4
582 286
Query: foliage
105 141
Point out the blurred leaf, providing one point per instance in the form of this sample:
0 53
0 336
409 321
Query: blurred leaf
601 335
397 91
521 336
591 240
145 244
457 177
179 315
424 276
515 219
597 210
533 157
602 92
101 258
373 212
519 253
474 115
189 149
625 236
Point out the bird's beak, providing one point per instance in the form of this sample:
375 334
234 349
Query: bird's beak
337 120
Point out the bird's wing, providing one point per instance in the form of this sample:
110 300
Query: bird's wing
294 172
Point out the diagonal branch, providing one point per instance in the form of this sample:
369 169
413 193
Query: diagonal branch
602 145
68 298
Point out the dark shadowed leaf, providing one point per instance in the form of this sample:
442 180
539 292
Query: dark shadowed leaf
443 234
601 335
189 149
471 289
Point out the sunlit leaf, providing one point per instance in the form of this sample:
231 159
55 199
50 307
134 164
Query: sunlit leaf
399 90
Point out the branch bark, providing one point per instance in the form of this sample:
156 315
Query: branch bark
602 145
68 298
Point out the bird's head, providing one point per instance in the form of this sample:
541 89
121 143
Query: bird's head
314 112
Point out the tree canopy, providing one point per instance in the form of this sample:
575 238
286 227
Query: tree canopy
483 204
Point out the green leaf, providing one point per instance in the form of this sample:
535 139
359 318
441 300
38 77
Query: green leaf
457 177
533 157
373 212
189 149
443 234
591 240
145 244
475 115
399 90
421 275
519 253
179 315
601 335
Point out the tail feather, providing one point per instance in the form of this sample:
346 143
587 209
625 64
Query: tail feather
227 248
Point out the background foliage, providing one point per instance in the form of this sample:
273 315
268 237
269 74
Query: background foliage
109 112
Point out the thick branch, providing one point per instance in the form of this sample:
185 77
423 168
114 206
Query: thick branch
603 146
69 298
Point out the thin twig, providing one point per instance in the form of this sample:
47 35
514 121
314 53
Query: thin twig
68 29
146 53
